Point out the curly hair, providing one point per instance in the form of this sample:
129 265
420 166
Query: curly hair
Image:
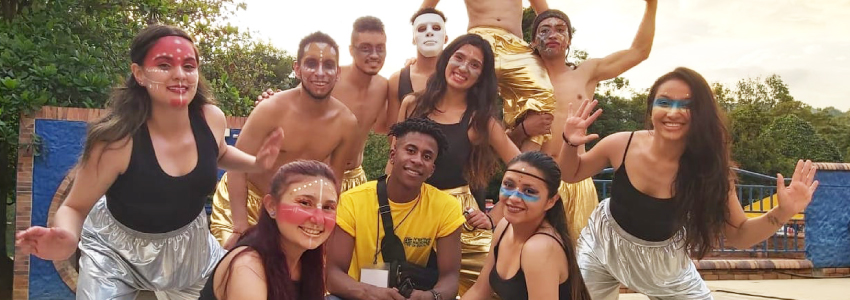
423 126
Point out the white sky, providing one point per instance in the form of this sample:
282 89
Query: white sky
806 42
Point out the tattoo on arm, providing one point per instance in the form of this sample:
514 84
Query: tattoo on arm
774 220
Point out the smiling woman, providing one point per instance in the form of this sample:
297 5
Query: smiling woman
282 256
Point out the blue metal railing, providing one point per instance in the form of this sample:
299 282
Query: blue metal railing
787 241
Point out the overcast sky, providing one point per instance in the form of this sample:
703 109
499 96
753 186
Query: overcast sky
806 42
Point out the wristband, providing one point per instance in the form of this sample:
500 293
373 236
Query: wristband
522 124
564 136
437 296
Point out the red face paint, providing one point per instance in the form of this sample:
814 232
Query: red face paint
171 67
298 215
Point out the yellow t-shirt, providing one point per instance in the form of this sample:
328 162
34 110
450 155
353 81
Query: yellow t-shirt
437 215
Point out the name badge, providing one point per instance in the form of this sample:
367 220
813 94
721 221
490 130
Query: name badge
377 275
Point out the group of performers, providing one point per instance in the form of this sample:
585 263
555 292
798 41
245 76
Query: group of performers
294 179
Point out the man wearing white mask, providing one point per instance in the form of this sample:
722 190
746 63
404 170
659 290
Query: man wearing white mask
429 36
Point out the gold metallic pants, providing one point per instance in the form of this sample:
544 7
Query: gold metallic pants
474 244
221 221
579 202
523 80
353 178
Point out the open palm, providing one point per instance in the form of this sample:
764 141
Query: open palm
575 128
798 194
46 243
269 151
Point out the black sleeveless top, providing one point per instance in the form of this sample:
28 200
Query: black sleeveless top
207 293
449 174
405 86
515 287
146 199
645 217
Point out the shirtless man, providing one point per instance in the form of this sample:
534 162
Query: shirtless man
429 36
362 90
305 113
552 38
523 82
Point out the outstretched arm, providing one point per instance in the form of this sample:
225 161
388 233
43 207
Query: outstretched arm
742 232
429 3
621 61
539 6
93 178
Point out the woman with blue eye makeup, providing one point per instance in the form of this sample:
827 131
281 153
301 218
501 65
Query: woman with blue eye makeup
533 256
676 197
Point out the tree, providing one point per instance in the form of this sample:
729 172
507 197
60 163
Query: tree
797 139
72 52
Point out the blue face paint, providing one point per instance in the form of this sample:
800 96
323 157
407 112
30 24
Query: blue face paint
507 193
671 103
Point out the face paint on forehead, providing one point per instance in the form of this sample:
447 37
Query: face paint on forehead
171 48
318 50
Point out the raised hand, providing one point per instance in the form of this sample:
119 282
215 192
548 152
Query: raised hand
575 128
798 194
46 243
268 153
265 95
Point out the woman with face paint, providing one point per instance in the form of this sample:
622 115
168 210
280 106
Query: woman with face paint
282 257
460 97
677 194
532 238
136 207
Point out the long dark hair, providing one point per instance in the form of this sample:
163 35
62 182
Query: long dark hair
265 239
480 99
702 183
557 217
129 106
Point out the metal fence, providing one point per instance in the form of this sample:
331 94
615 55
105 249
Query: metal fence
756 199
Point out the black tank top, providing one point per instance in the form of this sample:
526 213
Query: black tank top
645 217
449 174
405 86
146 199
515 287
208 293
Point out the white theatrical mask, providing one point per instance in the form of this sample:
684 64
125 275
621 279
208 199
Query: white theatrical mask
432 36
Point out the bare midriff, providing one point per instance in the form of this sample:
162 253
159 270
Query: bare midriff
505 14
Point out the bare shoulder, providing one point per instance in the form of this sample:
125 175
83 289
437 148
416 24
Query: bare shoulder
378 87
342 112
408 101
393 80
212 111
250 260
540 248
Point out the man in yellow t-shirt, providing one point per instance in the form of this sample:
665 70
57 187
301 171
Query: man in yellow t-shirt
424 218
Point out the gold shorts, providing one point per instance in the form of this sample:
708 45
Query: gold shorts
353 178
221 222
523 80
580 200
474 244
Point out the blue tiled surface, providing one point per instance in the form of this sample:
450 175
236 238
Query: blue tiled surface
828 221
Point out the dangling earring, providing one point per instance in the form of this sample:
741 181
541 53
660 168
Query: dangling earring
272 213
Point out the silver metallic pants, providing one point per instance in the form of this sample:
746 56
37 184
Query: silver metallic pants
608 256
117 262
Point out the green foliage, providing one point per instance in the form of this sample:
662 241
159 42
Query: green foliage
375 155
797 139
71 53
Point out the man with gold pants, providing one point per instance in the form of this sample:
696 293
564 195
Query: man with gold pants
475 242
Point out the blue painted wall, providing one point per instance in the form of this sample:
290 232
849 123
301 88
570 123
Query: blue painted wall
828 221
63 143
